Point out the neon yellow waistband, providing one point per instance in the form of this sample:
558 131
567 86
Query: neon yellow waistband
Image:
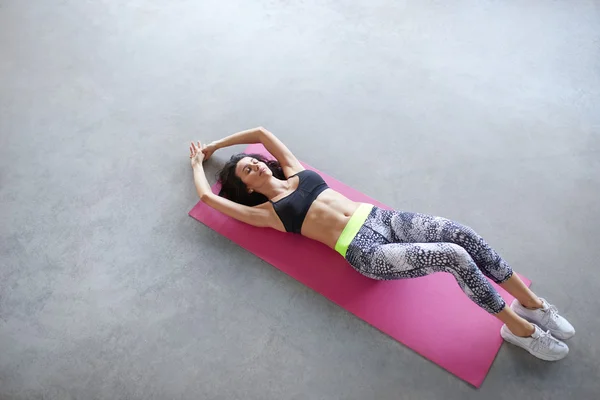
351 229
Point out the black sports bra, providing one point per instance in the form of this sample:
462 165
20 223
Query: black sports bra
292 208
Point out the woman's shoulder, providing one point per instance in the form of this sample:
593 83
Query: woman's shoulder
296 172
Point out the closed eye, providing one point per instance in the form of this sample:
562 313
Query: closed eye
254 161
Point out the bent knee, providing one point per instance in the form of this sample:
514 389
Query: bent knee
461 256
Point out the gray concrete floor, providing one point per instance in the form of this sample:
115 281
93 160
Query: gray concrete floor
485 112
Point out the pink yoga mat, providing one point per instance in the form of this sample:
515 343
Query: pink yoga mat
431 315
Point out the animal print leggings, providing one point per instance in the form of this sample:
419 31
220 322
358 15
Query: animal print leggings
397 245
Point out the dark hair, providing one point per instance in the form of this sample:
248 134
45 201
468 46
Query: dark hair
234 189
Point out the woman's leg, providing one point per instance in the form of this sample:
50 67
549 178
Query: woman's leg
515 286
397 245
414 227
517 325
376 253
410 260
427 228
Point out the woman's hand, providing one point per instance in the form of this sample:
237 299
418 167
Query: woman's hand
209 149
196 154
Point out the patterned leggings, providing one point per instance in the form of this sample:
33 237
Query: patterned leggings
398 245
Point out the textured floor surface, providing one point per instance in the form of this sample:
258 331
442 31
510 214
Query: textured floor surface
485 112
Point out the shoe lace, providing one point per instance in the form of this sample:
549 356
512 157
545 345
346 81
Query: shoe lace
550 314
545 341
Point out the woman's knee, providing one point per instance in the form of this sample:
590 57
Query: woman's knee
465 237
462 258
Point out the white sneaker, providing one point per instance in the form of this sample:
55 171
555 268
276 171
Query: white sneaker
541 344
546 318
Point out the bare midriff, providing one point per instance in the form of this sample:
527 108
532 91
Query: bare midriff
327 217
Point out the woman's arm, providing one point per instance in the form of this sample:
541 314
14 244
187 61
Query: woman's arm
202 185
287 160
251 215
249 136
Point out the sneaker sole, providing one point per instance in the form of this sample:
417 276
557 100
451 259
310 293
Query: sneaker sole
540 356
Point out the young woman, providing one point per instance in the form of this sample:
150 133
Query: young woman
378 243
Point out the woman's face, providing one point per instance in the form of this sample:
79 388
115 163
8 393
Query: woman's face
252 172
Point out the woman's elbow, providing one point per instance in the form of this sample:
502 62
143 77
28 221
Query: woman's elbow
205 197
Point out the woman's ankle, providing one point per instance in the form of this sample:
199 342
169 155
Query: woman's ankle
523 331
533 304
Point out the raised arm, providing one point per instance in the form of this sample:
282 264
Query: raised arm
288 161
251 215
